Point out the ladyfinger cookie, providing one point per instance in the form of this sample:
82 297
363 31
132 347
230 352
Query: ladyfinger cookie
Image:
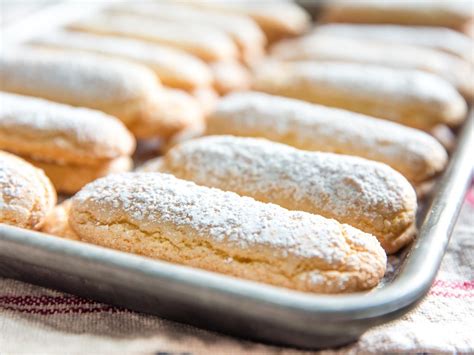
72 145
410 97
69 178
244 31
230 76
159 216
179 111
452 14
440 38
205 42
415 154
323 47
57 222
123 89
174 68
26 194
367 195
207 98
49 131
277 18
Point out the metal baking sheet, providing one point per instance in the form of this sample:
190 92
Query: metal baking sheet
238 307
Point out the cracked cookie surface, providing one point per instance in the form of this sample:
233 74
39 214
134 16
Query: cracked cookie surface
367 195
26 194
160 216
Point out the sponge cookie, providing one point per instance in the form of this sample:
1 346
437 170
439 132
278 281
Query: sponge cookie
330 47
230 76
439 38
69 178
277 18
246 34
26 194
128 91
72 145
205 42
410 97
415 154
367 195
452 14
174 67
178 111
159 216
61 133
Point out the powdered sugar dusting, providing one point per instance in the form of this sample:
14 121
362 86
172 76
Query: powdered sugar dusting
323 47
74 78
152 200
368 80
432 37
179 63
63 125
13 188
25 193
417 155
336 186
204 41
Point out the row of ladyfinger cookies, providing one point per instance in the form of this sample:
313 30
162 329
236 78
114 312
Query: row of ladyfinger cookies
365 194
456 14
67 142
253 148
142 33
133 93
208 54
160 216
382 201
406 95
444 119
63 139
117 61
135 33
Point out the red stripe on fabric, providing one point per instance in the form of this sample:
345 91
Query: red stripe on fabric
447 294
470 196
58 305
61 311
455 285
29 300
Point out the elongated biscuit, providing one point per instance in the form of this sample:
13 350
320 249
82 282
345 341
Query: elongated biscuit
26 194
323 47
125 90
179 111
415 154
277 18
367 195
54 132
443 39
230 76
174 68
205 42
162 217
244 31
207 98
411 97
426 13
70 178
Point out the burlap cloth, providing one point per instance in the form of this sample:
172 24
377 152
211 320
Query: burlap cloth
38 320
